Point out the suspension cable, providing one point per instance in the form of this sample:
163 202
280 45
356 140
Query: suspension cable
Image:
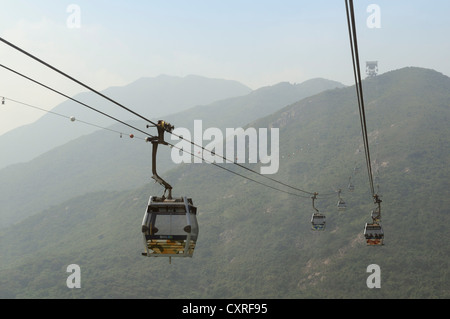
67 117
131 126
358 85
133 112
73 99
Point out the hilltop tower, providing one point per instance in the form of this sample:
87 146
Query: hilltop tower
371 68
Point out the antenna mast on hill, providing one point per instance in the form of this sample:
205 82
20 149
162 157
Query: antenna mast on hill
371 68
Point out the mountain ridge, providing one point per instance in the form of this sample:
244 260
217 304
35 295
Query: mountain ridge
145 96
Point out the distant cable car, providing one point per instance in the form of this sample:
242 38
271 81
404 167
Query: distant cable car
170 227
350 186
373 234
318 220
341 205
72 118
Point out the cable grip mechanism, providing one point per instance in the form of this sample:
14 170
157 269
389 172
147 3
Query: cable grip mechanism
314 197
162 127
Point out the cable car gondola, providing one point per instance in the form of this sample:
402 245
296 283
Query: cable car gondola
341 205
350 186
374 234
318 220
169 226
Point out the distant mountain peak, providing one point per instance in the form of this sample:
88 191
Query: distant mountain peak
151 97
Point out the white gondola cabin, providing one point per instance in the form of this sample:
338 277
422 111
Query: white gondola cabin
374 234
318 221
341 205
170 227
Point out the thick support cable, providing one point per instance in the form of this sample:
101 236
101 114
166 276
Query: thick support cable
73 79
358 85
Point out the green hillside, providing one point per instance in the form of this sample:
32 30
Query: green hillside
255 242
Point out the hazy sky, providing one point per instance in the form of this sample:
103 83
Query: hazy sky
256 42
